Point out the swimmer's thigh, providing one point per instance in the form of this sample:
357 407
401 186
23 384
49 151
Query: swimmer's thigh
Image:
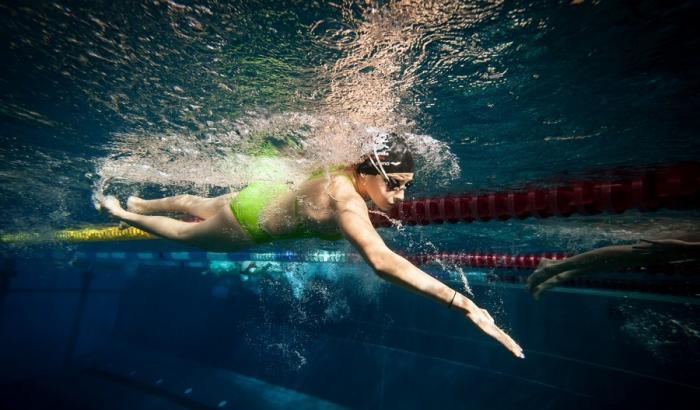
219 233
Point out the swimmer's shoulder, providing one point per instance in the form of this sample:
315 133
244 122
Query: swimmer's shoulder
345 196
342 183
337 185
334 183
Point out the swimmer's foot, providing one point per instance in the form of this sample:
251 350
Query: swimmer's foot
110 205
137 205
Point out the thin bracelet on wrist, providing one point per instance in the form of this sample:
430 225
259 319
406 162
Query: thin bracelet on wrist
451 301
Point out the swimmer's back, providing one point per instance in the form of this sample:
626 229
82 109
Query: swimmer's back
310 207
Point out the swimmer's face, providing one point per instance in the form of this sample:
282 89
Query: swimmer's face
380 193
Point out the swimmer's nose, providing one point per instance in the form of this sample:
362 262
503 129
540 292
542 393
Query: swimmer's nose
399 196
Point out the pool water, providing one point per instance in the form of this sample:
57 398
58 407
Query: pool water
162 97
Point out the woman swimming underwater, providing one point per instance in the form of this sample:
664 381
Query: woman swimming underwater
327 206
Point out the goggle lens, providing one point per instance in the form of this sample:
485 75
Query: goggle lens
394 184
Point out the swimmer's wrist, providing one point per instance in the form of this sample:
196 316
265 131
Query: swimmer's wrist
463 304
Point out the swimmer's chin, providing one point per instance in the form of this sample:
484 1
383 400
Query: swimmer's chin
386 208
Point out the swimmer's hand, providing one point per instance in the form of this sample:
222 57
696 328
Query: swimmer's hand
483 320
549 274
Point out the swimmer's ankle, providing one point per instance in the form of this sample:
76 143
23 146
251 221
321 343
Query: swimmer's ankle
135 204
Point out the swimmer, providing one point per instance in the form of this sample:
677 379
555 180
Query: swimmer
551 273
327 206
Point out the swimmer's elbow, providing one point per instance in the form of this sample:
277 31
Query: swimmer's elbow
381 262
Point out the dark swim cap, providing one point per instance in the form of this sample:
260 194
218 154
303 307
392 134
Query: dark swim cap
392 155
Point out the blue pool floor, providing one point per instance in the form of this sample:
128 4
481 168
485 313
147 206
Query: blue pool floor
111 333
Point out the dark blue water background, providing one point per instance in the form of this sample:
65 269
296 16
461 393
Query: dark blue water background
581 91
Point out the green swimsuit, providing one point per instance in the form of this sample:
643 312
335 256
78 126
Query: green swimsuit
252 200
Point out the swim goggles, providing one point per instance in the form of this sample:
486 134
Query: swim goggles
392 184
395 185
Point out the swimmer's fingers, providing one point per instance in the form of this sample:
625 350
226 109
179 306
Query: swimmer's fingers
483 320
535 280
510 344
507 341
541 274
555 281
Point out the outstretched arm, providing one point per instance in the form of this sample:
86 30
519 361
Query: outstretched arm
610 258
353 219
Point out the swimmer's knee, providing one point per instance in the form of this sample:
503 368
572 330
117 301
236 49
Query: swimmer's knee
187 198
185 234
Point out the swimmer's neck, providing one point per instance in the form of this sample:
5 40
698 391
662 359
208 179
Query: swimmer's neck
360 184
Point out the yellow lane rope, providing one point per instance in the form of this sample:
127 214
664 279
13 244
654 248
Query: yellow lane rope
87 234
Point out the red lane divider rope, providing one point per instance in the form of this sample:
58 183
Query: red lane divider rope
490 260
672 187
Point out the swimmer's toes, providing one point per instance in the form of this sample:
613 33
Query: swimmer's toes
111 205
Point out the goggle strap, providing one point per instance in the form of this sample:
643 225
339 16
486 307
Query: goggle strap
378 166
